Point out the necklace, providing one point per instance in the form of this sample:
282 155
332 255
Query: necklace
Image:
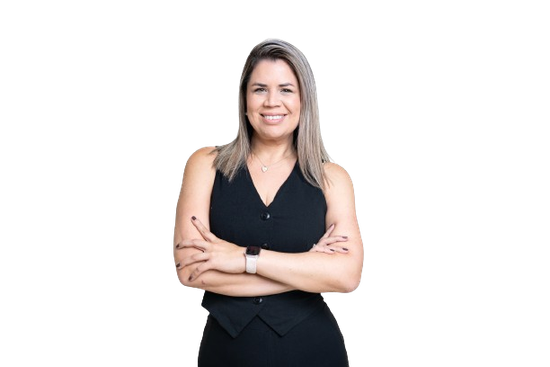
266 167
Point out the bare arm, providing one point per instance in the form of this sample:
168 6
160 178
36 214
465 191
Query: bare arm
194 200
237 285
315 272
311 271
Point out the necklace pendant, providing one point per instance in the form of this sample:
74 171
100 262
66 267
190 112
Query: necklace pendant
264 169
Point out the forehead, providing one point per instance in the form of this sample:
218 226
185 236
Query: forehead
276 71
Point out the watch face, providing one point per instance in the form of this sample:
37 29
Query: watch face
253 250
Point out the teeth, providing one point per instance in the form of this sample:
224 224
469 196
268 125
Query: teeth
277 117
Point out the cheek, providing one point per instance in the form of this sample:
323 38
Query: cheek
296 107
251 102
249 106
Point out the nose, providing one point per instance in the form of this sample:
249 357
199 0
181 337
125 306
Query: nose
272 100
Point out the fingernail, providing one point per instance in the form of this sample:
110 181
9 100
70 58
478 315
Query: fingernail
193 217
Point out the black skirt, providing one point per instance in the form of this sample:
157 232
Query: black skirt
316 341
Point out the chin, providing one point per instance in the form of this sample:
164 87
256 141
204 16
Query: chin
274 131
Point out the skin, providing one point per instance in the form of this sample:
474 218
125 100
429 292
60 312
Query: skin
207 262
273 91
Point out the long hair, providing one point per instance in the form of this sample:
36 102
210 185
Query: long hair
307 136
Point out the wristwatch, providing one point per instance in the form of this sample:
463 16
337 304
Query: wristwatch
251 255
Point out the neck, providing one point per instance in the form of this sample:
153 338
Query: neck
270 153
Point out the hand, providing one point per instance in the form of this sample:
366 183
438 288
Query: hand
217 254
326 243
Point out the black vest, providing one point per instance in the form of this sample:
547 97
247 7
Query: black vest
293 222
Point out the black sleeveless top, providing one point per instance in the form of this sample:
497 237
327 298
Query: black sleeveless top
293 222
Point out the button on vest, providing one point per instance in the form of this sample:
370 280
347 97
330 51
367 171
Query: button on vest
291 223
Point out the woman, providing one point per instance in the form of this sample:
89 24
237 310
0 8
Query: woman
266 223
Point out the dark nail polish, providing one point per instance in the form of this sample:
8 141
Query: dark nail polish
193 217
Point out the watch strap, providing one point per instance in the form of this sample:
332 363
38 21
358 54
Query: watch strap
251 261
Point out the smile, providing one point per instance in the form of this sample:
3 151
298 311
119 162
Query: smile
273 117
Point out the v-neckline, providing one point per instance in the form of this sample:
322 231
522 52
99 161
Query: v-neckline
251 180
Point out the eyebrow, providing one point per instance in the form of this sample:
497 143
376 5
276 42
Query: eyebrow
280 85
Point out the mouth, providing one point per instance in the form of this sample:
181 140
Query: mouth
273 118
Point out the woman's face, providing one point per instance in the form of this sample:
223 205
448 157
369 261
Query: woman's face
273 100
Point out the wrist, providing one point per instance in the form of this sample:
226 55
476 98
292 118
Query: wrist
251 255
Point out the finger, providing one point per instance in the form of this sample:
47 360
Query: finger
322 249
194 243
329 231
341 250
331 250
205 233
187 244
190 260
331 240
198 271
328 250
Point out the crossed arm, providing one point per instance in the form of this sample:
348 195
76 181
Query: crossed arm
231 284
207 262
219 266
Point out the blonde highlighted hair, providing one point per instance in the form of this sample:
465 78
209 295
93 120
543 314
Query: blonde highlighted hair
307 136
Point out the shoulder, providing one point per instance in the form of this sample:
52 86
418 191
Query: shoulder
203 156
336 176
202 159
338 187
200 165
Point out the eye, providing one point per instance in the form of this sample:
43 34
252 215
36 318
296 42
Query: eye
259 90
286 90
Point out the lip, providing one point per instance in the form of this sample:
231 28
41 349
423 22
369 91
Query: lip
268 117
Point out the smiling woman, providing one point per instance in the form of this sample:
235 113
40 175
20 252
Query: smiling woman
266 223
307 141
273 101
